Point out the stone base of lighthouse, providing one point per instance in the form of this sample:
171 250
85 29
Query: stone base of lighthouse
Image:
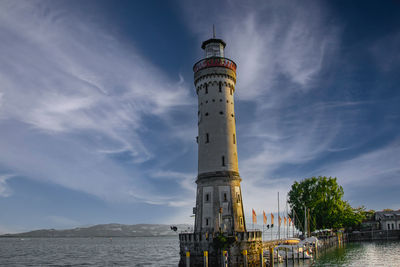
237 246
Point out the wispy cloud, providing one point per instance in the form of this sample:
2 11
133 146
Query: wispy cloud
386 53
61 221
372 168
73 96
270 41
282 49
5 190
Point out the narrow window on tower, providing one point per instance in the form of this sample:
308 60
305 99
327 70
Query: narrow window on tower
223 161
220 87
206 221
197 139
206 89
231 91
225 197
207 197
241 220
234 139
238 198
207 138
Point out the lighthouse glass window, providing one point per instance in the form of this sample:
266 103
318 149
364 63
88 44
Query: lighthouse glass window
214 50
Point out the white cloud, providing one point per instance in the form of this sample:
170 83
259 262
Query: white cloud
380 166
280 48
5 190
73 96
269 41
386 53
186 180
62 221
5 229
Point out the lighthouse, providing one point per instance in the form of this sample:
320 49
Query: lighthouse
220 236
219 205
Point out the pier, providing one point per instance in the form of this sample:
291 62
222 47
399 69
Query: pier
248 249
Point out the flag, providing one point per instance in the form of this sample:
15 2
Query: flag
280 220
272 219
254 217
290 220
265 217
284 220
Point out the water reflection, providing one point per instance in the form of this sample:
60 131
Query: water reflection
354 254
362 254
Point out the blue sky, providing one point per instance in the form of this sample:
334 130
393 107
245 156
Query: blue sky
98 109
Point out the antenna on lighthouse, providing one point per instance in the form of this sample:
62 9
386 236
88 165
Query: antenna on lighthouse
213 31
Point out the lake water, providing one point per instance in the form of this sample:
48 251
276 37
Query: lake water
385 253
138 251
162 251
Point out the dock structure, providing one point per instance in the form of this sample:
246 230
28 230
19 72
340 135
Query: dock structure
220 235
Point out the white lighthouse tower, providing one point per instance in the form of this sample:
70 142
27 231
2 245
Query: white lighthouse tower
220 234
219 200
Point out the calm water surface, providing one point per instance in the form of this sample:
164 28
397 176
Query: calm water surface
162 251
362 254
138 251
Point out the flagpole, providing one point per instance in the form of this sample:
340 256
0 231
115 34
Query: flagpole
293 222
287 221
279 223
305 221
271 226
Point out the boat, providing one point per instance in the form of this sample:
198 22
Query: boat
293 251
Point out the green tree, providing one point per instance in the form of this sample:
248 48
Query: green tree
322 197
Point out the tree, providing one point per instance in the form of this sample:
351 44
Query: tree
322 197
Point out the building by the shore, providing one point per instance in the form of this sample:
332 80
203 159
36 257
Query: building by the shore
388 220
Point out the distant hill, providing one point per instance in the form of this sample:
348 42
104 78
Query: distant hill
107 230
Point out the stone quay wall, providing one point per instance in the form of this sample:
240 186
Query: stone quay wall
372 235
243 242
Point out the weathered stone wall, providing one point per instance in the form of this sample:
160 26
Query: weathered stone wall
196 244
375 235
218 186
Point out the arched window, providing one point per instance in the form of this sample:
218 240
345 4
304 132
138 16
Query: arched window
223 161
206 89
207 138
234 139
220 87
